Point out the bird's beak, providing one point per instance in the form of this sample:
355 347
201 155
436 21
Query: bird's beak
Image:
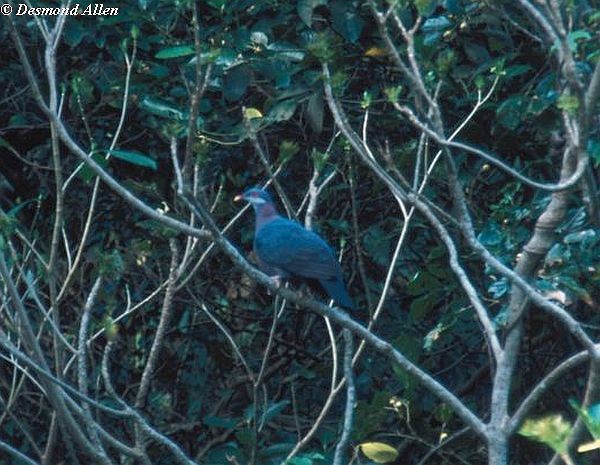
238 198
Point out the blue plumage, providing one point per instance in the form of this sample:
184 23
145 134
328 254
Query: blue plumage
285 249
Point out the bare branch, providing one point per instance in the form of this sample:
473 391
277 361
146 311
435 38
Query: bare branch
16 454
82 369
342 444
563 184
165 318
557 373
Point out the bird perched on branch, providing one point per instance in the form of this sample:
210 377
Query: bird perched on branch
285 249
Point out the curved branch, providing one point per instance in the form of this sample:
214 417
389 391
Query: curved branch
15 453
538 391
582 162
165 318
562 315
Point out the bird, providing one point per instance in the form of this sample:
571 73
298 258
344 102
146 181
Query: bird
285 249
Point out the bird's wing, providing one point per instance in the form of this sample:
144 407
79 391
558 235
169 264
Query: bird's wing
286 245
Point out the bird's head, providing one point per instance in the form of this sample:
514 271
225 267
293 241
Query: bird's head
262 202
255 196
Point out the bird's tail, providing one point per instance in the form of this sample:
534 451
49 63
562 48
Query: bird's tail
337 291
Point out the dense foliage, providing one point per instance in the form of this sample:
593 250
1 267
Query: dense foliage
235 379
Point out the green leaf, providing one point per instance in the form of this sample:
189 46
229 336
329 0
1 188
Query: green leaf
82 87
14 211
491 234
586 235
252 113
422 306
545 94
476 53
453 6
366 100
443 413
218 422
74 33
319 159
159 71
436 24
310 458
433 336
572 285
4 143
322 46
175 52
236 82
411 347
594 414
287 149
315 111
161 108
589 446
422 282
111 264
8 223
557 255
593 149
217 4
568 103
446 60
135 158
369 415
379 452
377 244
111 329
393 93
590 417
425 7
259 38
516 70
286 51
305 9
282 111
574 36
86 173
18 119
226 58
510 112
498 288
273 410
246 437
552 430
346 20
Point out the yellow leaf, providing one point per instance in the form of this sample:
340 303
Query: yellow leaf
375 52
379 452
251 113
588 446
